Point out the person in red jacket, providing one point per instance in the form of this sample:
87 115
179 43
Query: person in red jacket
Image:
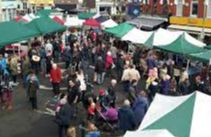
55 78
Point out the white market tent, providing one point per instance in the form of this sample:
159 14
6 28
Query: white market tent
184 116
73 22
165 37
30 17
109 24
137 36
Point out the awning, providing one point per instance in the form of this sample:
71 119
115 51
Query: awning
147 23
190 29
66 7
40 2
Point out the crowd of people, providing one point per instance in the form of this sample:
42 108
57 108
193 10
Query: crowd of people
91 59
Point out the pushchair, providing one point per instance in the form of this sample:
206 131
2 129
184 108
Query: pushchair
105 124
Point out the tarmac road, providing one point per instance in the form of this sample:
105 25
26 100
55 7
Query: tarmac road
22 121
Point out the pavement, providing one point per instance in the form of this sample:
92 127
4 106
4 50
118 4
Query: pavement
22 121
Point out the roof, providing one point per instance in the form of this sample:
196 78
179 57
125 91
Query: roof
120 30
45 25
181 116
12 32
181 46
146 23
86 15
92 23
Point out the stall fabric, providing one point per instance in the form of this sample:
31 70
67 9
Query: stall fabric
73 22
45 25
202 56
45 12
120 30
58 20
91 23
27 18
165 37
184 116
208 47
109 24
86 15
12 32
137 36
101 19
181 46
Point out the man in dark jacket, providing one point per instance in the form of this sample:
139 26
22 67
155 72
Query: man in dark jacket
126 117
140 107
198 85
64 118
99 70
112 92
33 86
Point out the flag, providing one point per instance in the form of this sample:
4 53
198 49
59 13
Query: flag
134 9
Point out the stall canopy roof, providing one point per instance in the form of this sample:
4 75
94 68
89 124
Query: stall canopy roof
45 25
86 15
146 23
202 56
101 19
138 36
45 12
58 20
184 116
109 23
120 30
92 23
181 46
12 32
73 21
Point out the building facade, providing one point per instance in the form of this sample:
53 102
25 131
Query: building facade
185 8
193 16
8 9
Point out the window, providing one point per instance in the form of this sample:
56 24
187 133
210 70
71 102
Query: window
194 8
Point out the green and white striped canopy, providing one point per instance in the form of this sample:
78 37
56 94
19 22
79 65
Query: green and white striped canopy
185 116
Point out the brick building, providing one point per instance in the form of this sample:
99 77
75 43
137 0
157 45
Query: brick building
193 16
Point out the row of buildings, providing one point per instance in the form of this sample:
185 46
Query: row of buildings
193 16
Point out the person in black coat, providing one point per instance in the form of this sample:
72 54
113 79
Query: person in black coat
99 70
126 117
112 92
65 118
198 85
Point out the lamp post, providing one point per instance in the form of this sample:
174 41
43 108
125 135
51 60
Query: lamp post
202 35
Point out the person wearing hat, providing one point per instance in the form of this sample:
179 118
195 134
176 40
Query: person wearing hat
126 117
102 98
55 78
